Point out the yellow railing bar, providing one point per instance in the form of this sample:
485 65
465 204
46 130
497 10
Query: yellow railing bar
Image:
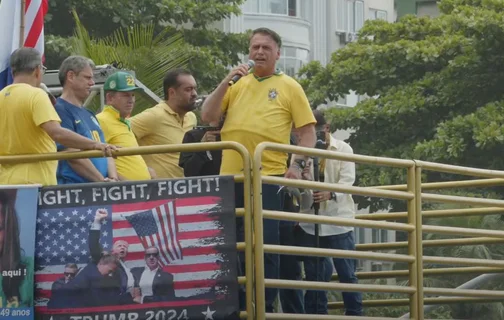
448 184
347 287
468 171
464 261
463 231
317 317
337 253
432 213
334 155
310 218
429 243
430 197
464 292
428 301
191 147
338 188
427 272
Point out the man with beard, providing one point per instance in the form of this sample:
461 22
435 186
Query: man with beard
76 78
167 122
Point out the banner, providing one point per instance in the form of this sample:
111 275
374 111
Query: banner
157 250
18 211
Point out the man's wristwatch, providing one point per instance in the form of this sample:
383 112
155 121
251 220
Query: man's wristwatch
333 196
300 163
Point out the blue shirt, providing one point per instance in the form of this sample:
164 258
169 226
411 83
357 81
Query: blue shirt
81 121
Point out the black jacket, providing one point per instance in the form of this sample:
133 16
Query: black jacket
162 285
198 163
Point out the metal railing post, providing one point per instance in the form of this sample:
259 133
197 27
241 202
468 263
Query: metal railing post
257 210
412 243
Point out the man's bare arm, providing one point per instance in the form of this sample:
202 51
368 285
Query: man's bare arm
306 138
211 109
73 140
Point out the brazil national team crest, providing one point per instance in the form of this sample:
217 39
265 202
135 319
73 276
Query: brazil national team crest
273 94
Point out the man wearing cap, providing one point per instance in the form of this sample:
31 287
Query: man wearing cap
120 91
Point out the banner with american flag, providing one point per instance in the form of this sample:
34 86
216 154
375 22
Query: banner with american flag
163 249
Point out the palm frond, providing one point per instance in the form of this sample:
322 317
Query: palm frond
136 48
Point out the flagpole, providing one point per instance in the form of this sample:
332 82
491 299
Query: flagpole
22 26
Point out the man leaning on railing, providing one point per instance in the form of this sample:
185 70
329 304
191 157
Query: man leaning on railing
333 204
30 125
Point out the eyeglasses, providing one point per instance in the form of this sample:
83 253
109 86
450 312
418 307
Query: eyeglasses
153 255
69 274
43 68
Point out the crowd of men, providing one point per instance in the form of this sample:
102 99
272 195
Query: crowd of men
264 105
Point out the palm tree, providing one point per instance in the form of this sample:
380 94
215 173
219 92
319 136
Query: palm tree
136 48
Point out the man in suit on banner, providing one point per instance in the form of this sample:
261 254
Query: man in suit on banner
155 284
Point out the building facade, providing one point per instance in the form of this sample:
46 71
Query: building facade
313 30
420 8
310 29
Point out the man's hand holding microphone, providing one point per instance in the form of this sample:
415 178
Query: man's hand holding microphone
238 72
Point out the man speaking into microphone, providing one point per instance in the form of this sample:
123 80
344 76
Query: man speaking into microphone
261 106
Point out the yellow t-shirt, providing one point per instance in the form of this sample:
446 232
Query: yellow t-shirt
259 110
117 131
160 125
23 108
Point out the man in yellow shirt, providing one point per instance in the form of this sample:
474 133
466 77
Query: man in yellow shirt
167 122
30 125
262 106
120 91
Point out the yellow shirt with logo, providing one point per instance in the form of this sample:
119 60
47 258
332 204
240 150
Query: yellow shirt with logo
160 125
259 110
23 108
118 132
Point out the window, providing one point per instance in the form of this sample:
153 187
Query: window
292 59
251 6
349 15
281 7
377 14
379 235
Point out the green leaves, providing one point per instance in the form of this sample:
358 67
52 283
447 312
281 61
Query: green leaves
436 88
136 48
210 51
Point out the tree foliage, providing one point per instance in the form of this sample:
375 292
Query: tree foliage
211 51
435 87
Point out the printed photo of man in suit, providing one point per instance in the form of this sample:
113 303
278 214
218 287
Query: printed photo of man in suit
153 284
123 274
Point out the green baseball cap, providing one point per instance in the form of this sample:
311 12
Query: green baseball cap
122 82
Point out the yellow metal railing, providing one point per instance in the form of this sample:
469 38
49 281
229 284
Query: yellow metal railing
245 212
413 227
410 221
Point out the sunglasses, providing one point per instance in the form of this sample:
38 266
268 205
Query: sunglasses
153 255
69 274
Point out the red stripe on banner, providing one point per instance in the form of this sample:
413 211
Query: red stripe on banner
143 206
179 285
199 234
173 304
36 29
186 252
187 268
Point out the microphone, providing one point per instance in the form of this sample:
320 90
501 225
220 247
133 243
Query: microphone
237 77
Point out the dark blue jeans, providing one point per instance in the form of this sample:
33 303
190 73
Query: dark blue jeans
290 269
344 267
271 201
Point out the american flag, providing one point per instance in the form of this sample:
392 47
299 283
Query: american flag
62 237
158 227
10 24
